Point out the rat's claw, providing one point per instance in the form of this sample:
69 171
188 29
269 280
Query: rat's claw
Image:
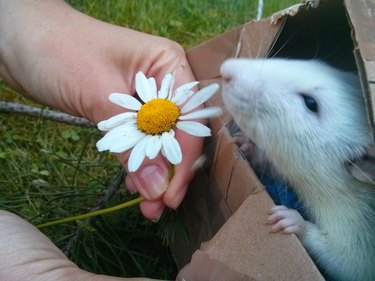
286 220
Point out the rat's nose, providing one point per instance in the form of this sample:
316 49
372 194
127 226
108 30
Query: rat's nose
226 78
227 71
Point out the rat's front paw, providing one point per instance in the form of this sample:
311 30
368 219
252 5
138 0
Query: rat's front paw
287 221
246 146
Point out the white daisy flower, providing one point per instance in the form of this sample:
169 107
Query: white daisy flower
148 126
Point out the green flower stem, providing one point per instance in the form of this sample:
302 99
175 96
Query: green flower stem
95 213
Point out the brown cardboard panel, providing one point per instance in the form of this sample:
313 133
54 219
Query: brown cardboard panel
245 245
205 212
211 269
269 256
206 58
256 38
224 162
250 40
232 172
361 14
370 73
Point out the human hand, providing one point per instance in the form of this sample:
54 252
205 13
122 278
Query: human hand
26 254
70 61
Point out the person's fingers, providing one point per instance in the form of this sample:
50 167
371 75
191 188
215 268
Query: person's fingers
177 191
151 179
152 210
129 185
191 150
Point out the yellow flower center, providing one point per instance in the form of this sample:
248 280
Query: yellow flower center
157 116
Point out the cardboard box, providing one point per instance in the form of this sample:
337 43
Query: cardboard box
226 205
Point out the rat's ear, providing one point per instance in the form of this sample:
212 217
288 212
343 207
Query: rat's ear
364 169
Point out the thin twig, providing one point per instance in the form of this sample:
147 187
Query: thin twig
115 185
13 107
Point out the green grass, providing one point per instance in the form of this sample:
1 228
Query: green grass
51 170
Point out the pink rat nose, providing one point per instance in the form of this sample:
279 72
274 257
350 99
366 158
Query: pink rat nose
226 78
226 71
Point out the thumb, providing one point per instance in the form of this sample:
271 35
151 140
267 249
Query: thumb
151 180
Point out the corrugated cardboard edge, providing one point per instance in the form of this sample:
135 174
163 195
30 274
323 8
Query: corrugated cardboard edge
206 58
361 16
268 256
211 269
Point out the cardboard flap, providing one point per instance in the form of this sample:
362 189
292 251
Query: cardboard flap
250 237
232 173
256 38
361 16
206 58
290 11
210 269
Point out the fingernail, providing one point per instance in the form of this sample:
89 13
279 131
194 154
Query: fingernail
156 220
158 214
154 182
132 192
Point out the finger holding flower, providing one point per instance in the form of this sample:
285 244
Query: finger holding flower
153 123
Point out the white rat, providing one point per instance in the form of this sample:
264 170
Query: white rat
308 119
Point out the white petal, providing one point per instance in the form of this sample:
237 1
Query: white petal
116 120
186 86
126 101
194 128
120 138
182 97
105 142
153 87
153 146
200 97
125 143
181 93
142 87
202 113
137 155
166 86
115 143
128 129
171 148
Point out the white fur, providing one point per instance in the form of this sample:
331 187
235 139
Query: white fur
309 151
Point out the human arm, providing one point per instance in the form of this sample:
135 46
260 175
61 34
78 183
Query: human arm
70 61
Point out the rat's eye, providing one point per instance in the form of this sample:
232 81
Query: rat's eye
310 103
